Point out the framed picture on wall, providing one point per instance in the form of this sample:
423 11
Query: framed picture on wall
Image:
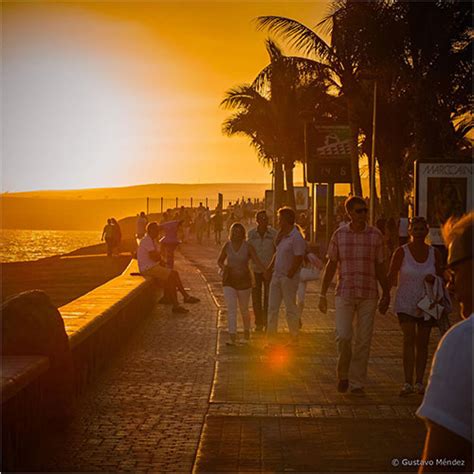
442 190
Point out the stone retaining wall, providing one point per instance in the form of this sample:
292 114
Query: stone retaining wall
97 324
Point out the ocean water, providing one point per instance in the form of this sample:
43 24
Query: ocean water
26 245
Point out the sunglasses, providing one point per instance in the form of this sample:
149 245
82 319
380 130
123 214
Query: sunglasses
362 210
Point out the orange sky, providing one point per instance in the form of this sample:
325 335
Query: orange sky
122 93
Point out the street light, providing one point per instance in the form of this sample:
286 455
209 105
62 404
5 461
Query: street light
372 157
373 161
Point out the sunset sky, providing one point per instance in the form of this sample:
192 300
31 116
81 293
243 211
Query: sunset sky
122 93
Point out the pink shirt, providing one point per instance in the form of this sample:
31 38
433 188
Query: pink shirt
356 254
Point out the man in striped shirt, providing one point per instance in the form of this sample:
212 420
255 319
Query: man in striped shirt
356 251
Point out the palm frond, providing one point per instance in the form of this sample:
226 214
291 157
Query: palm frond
273 50
243 96
297 35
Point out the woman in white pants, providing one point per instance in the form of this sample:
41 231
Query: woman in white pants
237 278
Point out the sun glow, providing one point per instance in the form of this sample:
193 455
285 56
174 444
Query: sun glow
108 94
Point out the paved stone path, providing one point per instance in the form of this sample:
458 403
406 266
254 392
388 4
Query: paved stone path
177 399
146 412
281 411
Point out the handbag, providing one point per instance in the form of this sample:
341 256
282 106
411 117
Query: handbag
309 274
428 305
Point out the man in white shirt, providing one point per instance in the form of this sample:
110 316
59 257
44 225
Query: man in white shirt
286 265
447 405
149 264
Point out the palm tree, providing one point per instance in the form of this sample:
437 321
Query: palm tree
338 60
423 69
255 119
272 111
436 62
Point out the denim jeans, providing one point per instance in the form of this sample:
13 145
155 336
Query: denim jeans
260 307
283 289
354 358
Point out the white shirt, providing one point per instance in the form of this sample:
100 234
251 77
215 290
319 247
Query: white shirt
290 246
147 245
264 246
448 398
411 286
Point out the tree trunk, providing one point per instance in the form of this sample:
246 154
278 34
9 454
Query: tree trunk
290 188
279 185
354 130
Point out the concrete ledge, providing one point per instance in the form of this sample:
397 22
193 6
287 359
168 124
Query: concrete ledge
20 371
97 324
84 316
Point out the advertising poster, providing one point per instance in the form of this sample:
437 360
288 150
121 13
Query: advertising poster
442 190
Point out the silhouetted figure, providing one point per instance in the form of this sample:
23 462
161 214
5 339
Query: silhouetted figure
170 241
237 279
108 236
117 238
262 239
218 221
286 265
142 222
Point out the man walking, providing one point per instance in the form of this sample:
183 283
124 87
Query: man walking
262 239
356 251
286 263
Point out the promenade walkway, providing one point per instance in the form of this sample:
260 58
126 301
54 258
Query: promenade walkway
178 399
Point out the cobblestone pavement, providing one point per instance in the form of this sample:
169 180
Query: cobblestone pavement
177 399
146 412
281 411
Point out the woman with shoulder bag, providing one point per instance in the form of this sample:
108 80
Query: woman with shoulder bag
237 278
414 264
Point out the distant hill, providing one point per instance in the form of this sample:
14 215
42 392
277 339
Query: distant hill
88 209
231 191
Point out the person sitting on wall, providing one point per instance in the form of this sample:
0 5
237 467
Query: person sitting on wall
149 264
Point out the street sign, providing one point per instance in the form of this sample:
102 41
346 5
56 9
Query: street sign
329 154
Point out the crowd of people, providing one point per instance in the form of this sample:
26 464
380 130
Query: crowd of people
272 266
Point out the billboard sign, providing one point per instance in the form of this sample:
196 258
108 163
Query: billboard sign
442 190
329 154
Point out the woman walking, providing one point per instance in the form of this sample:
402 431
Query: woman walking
416 263
237 279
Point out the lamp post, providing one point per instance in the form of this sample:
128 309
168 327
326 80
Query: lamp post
372 156
372 164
